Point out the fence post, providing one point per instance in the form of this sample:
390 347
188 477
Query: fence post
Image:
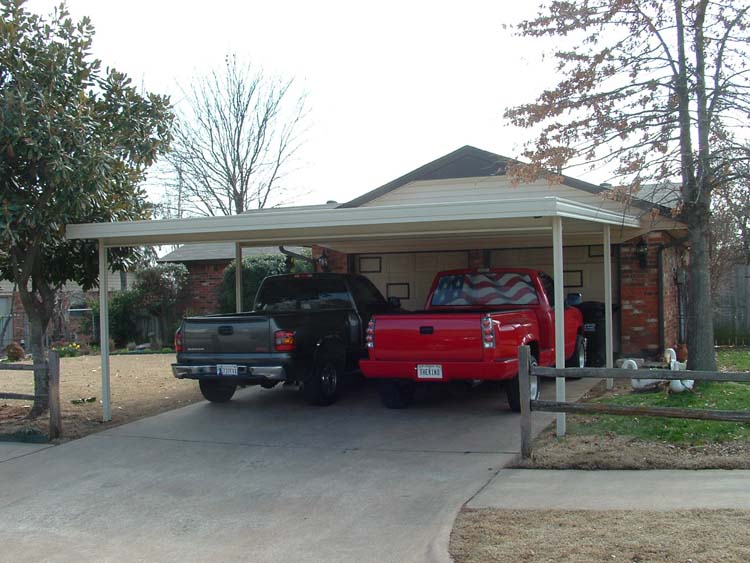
55 418
524 361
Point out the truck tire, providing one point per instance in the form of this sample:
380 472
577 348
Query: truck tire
323 385
396 394
216 391
578 359
514 393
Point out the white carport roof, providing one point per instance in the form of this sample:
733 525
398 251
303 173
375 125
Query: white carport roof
433 224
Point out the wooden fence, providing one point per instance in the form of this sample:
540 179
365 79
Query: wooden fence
52 366
525 371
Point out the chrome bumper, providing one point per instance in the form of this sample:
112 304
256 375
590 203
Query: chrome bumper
187 371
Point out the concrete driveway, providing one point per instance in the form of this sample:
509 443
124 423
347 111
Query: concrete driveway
262 478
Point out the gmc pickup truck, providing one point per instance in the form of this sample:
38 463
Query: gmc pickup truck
307 329
473 322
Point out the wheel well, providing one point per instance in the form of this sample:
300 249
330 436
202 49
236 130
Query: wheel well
534 346
331 347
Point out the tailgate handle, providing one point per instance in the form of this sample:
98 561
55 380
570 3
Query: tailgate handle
426 330
226 330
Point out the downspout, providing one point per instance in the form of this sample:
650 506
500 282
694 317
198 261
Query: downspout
660 273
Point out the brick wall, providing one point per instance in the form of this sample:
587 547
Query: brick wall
639 292
204 281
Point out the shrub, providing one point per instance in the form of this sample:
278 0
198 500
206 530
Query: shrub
15 352
69 350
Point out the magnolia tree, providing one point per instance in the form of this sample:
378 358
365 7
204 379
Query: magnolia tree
75 142
656 91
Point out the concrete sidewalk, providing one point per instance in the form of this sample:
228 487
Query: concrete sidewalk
615 490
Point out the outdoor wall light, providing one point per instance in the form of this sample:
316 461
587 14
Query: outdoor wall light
641 252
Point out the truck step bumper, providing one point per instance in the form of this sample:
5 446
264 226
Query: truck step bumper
451 371
244 373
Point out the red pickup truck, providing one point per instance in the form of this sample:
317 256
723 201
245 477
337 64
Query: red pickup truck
473 322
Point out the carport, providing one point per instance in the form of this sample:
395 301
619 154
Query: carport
506 223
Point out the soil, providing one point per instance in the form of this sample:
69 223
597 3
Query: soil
142 385
621 452
543 536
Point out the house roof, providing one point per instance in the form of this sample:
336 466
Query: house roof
471 162
217 251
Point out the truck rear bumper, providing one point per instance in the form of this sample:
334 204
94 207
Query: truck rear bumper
245 374
451 371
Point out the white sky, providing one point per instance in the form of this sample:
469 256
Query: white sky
391 85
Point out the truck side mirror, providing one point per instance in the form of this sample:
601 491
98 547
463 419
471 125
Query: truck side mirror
573 300
394 302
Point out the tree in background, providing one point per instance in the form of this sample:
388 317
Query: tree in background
254 269
75 142
233 142
657 90
161 290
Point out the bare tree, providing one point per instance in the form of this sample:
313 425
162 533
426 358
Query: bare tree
659 90
236 134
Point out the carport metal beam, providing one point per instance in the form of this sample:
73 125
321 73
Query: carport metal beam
609 337
104 331
557 258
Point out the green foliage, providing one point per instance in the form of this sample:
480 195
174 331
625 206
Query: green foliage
158 290
734 359
707 395
69 350
254 269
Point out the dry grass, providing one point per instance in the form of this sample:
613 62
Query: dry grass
142 385
554 536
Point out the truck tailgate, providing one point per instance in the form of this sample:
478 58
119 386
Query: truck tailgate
429 338
227 335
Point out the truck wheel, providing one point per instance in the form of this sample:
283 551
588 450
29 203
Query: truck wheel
216 391
514 393
324 383
578 359
396 394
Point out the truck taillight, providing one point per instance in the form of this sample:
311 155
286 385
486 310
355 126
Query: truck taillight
178 346
283 340
488 332
370 337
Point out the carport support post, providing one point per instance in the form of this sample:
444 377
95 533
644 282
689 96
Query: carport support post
104 330
609 337
557 255
238 277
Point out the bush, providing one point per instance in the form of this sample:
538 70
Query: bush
69 350
254 269
15 352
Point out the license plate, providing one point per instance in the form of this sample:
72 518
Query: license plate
226 369
430 371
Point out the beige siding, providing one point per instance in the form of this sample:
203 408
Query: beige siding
485 189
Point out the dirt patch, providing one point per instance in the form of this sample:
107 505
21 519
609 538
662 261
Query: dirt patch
142 385
621 452
543 536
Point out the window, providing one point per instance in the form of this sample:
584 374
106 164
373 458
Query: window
485 289
549 287
365 293
302 294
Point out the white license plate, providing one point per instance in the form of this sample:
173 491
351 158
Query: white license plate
430 371
226 369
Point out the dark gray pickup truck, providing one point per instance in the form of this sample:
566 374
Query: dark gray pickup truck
304 328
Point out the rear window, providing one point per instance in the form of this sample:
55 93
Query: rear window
302 294
490 288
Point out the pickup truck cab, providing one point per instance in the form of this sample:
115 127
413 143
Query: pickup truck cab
307 329
471 327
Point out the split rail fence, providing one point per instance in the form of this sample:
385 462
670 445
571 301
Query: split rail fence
526 370
52 366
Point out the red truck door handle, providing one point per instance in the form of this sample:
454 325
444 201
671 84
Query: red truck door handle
426 330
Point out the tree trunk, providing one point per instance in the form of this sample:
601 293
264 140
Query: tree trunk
700 331
39 355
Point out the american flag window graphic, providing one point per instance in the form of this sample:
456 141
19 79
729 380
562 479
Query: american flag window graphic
485 289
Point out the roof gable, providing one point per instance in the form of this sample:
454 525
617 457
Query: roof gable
471 162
